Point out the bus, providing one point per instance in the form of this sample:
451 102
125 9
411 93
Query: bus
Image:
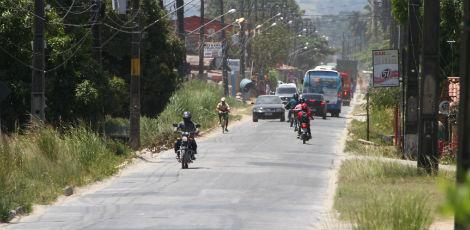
328 83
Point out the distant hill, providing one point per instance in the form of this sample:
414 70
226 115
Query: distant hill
321 7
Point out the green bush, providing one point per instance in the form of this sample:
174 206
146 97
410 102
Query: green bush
35 167
458 202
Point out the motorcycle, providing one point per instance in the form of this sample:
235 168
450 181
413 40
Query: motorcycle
304 135
185 153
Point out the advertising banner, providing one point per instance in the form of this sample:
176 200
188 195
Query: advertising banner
385 68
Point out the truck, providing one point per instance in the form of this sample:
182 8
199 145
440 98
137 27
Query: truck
346 89
351 68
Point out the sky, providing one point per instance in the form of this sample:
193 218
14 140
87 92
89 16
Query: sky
320 7
312 7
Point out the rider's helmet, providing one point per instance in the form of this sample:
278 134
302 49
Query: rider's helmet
296 96
304 106
302 100
222 100
186 116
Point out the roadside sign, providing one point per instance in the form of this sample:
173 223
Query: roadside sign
444 108
385 68
212 49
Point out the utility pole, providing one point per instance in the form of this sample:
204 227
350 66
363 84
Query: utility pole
428 151
224 53
201 43
134 137
242 39
181 34
463 156
96 31
411 113
38 84
403 44
343 49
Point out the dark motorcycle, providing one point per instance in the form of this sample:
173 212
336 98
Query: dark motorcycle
185 153
304 135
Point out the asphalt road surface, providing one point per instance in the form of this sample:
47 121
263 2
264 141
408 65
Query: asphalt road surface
258 176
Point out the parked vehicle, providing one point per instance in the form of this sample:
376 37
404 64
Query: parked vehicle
269 107
317 103
327 83
285 92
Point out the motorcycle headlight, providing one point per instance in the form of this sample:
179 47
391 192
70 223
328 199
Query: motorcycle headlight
184 139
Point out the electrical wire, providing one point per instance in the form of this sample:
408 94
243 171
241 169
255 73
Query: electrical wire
74 45
68 11
18 60
66 60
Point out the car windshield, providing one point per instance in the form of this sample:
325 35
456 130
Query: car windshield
316 97
287 90
268 100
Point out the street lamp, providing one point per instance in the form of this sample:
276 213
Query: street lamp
237 21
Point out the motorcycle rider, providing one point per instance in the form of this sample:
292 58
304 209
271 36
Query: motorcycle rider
304 117
296 110
187 125
292 104
222 109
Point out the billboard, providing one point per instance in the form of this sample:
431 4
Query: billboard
385 68
212 49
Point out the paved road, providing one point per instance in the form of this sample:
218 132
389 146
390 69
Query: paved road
259 176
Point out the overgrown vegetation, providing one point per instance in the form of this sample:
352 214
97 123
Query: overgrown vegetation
382 104
375 194
35 167
196 97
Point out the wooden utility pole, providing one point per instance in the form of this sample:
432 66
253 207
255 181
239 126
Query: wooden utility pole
463 157
181 34
96 31
201 43
403 44
134 137
38 84
242 39
428 151
411 113
224 52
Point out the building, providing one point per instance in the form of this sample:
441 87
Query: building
191 25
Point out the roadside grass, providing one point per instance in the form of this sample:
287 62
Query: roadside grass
375 194
35 167
381 130
195 96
